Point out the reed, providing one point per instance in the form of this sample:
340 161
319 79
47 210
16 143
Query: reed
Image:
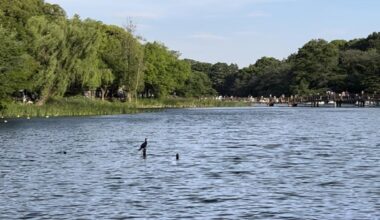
188 103
81 106
73 106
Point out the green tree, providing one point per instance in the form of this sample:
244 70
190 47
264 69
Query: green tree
363 70
48 42
84 62
314 64
268 76
15 66
220 75
198 85
124 55
165 73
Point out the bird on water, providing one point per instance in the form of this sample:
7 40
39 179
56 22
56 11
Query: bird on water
143 147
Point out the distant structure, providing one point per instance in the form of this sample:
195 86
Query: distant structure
328 99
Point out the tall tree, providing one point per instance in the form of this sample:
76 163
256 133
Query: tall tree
165 72
16 66
124 55
219 73
314 64
84 63
49 39
363 68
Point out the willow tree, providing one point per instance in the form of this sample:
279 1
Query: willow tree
48 47
86 41
16 13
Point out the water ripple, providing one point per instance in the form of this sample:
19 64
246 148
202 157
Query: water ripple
240 163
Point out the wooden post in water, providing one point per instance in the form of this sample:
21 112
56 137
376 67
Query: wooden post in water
339 103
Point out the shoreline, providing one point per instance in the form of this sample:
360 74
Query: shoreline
80 106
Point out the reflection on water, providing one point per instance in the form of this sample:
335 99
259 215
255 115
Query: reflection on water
241 163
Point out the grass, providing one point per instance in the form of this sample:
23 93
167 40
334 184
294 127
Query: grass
73 106
188 103
81 106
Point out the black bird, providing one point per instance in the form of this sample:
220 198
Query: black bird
143 145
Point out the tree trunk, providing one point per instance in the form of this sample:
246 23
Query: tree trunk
103 91
129 97
45 95
42 100
139 70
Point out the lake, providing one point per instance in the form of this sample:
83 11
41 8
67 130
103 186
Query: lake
235 163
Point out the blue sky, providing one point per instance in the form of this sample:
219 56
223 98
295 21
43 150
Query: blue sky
235 31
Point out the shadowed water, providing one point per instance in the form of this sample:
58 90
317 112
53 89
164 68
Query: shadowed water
235 163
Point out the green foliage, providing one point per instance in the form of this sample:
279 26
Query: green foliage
15 65
198 85
84 64
15 14
314 65
371 42
364 69
219 75
165 73
72 106
43 52
271 78
49 48
222 75
124 55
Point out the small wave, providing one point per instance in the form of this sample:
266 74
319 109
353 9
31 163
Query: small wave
330 183
273 146
322 155
240 173
32 215
210 201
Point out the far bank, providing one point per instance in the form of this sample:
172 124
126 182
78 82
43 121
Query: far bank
81 106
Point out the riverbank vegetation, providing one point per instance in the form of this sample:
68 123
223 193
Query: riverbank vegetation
47 58
81 106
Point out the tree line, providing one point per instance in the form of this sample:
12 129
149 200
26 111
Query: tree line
47 54
317 67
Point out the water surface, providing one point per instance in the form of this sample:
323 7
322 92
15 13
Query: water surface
235 163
